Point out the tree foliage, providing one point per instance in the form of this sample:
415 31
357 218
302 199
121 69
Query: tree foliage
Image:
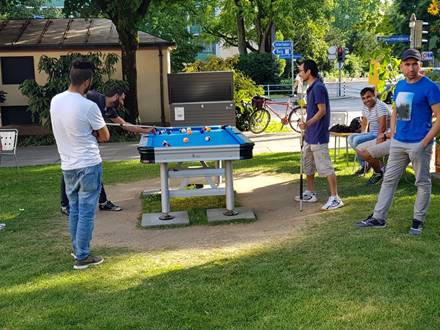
250 25
127 16
26 9
57 70
163 22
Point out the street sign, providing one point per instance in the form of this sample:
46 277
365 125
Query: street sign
281 51
332 50
290 56
427 56
331 57
282 44
391 39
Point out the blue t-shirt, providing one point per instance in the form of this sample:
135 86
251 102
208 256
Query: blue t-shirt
317 133
413 105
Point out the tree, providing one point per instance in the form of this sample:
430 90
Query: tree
25 9
127 16
163 22
250 25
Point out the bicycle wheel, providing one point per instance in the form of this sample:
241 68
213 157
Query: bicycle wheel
294 118
259 121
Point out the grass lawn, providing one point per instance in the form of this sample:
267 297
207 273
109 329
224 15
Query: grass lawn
330 276
275 126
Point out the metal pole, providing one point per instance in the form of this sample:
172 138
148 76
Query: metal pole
229 189
412 36
340 78
165 192
291 63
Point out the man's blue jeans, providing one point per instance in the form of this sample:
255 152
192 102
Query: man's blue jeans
82 188
356 139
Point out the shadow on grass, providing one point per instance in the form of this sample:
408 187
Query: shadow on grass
329 279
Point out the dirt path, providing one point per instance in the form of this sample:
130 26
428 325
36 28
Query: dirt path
270 197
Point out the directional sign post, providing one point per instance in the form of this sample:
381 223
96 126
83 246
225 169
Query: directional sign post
284 50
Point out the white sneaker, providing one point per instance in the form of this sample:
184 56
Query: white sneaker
308 197
332 204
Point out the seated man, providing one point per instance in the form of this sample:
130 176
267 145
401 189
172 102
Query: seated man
375 116
371 151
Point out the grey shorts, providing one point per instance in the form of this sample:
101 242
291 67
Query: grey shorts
376 150
317 159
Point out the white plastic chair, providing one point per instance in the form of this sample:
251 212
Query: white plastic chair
8 143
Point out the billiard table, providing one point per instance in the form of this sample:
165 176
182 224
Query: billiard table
189 144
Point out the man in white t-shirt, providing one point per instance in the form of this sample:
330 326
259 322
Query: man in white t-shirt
375 117
78 125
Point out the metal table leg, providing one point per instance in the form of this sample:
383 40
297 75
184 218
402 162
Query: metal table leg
165 192
229 189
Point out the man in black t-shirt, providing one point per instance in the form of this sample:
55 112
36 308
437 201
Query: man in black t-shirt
108 104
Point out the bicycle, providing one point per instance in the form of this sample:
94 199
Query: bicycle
261 116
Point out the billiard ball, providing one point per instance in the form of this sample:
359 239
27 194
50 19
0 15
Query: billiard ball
186 140
208 129
182 130
165 144
202 131
207 138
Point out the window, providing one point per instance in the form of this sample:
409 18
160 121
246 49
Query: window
15 115
15 70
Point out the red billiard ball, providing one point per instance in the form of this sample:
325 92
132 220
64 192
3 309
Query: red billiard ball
185 140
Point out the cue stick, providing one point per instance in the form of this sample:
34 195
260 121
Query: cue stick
301 180
150 126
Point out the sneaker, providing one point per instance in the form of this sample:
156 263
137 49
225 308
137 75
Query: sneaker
65 210
109 206
375 178
360 171
371 222
89 261
333 203
416 228
308 197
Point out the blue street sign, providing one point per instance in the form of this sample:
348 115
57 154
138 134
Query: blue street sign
290 56
281 51
427 56
391 39
283 44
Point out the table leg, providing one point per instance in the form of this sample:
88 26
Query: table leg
334 149
165 192
229 189
346 150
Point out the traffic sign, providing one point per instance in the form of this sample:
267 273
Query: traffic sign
282 44
332 50
391 39
290 56
281 51
427 56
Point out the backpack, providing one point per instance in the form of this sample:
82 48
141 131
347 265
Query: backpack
355 125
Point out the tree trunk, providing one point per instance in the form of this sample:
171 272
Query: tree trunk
129 46
241 31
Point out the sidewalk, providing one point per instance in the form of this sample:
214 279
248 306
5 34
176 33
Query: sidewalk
43 155
264 143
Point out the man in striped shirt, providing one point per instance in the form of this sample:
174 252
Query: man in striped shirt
375 117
